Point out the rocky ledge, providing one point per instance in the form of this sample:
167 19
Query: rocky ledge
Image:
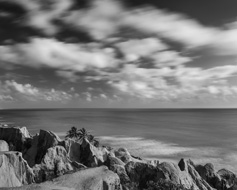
46 162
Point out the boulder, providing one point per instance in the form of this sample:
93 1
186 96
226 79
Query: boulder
16 137
54 163
3 146
73 149
117 166
207 172
92 156
123 154
99 178
14 170
189 176
140 173
228 177
46 140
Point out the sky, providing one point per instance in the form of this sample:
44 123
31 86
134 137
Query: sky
118 54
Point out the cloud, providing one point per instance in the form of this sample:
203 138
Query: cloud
42 14
42 52
105 18
133 49
11 90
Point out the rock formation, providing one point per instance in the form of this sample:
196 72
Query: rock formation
3 146
99 178
68 163
14 170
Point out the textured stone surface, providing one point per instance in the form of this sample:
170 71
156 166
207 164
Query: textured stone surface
16 137
54 163
3 146
14 170
99 178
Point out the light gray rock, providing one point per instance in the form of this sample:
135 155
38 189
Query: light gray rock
54 163
3 146
99 178
14 170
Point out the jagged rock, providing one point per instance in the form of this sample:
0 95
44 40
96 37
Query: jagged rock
207 172
99 178
73 149
191 176
92 156
16 137
3 146
31 153
46 140
117 166
14 170
140 173
123 154
229 178
54 163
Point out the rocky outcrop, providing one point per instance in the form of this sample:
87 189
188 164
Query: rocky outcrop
39 145
99 178
3 146
16 137
14 170
66 162
117 166
92 156
207 172
229 179
140 173
54 163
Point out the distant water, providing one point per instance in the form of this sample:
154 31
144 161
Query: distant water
204 135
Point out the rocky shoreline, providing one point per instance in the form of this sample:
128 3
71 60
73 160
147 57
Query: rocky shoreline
45 162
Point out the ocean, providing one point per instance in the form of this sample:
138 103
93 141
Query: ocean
203 135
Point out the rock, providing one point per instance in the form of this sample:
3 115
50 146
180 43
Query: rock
92 156
3 146
46 140
73 149
54 163
140 173
228 176
14 170
123 154
117 166
31 153
153 162
99 178
16 137
207 172
190 176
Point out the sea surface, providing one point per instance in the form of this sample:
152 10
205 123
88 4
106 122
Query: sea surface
203 135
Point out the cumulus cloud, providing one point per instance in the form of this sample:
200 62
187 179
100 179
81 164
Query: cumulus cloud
55 54
11 90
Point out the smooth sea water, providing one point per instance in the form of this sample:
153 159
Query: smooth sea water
204 135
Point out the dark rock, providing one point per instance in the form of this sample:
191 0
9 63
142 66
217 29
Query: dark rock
16 137
140 173
14 170
46 140
207 172
117 166
54 163
229 178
